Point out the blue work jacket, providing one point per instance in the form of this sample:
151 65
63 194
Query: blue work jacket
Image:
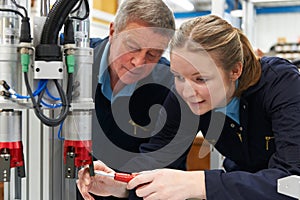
266 144
263 148
129 121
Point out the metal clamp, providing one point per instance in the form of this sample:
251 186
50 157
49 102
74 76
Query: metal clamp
289 186
70 165
5 167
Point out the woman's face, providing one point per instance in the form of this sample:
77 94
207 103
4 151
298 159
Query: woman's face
199 81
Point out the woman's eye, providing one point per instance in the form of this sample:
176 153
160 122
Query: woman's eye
180 78
201 80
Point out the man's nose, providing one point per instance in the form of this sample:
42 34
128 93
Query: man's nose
139 59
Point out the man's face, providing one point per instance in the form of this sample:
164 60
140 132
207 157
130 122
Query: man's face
135 51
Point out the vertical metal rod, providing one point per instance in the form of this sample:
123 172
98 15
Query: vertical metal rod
45 7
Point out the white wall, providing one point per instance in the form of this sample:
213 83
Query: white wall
99 30
268 27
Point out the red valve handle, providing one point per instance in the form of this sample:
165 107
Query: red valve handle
124 177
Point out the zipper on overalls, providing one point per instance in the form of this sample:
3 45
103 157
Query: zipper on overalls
268 138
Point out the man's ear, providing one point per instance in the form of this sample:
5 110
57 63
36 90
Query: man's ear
236 71
111 31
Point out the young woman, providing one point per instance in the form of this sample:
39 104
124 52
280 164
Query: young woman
217 73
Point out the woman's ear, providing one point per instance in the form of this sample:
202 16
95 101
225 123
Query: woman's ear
236 71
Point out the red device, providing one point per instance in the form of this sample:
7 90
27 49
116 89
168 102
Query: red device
123 177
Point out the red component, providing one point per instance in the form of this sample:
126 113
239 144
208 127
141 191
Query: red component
82 150
15 151
124 177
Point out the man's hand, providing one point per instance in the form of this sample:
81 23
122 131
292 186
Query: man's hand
99 185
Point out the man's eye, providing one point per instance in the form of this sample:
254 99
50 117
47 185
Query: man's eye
132 48
152 56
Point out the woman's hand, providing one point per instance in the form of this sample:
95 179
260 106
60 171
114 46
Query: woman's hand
169 184
99 185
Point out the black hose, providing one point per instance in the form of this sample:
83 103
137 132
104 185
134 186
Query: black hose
48 50
55 20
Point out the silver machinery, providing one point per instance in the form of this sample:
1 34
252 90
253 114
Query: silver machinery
45 99
289 186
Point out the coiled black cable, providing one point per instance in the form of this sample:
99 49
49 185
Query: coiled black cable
54 22
36 104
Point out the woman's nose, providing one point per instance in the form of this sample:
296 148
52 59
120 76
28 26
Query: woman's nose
188 90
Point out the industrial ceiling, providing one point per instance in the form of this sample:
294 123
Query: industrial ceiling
204 5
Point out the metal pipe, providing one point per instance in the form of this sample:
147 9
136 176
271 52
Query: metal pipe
45 7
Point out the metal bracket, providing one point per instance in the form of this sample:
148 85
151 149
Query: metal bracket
5 167
48 70
21 171
289 186
70 165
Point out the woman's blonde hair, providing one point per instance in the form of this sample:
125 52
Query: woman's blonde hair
226 44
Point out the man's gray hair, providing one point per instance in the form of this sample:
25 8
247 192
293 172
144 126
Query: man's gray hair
154 13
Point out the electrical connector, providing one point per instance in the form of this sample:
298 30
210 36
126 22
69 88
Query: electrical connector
70 59
4 84
5 94
25 30
25 60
